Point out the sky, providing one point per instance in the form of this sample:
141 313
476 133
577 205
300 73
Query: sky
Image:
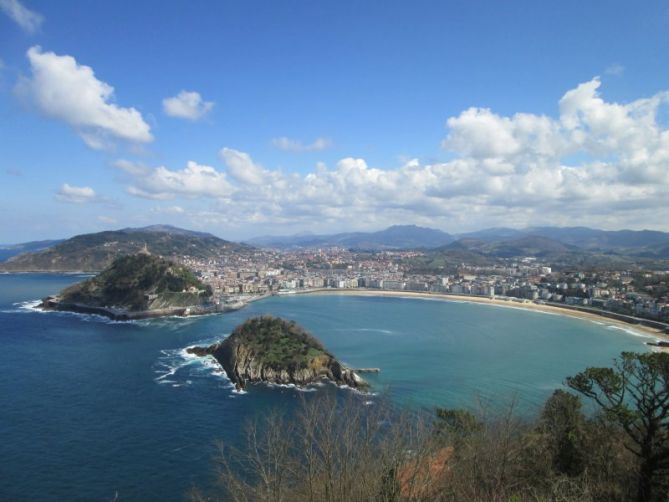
247 118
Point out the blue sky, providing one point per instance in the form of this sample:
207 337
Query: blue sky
247 118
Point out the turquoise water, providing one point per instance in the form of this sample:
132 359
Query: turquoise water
92 408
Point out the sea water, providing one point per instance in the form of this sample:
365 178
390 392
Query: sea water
92 409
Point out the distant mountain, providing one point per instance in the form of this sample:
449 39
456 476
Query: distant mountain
493 234
395 237
623 241
641 243
530 245
9 250
93 252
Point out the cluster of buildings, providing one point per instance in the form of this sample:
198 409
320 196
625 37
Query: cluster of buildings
261 272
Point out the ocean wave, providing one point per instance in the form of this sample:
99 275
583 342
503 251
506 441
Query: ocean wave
32 307
367 330
179 368
25 307
356 391
182 369
169 322
630 331
292 386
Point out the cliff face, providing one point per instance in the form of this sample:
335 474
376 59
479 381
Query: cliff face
288 356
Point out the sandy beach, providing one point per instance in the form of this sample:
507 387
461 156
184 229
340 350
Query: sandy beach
515 304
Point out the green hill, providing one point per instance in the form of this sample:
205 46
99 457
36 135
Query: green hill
138 283
273 350
95 252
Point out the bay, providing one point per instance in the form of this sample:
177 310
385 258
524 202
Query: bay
93 409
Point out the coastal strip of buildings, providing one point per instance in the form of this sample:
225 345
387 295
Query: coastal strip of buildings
267 272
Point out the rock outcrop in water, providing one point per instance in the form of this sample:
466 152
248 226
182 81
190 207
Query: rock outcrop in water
272 350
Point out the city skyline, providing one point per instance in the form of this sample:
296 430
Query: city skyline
283 118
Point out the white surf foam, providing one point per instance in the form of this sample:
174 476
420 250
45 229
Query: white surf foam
630 331
182 369
32 307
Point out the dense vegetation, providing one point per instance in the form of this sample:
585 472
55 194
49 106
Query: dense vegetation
138 282
279 343
337 450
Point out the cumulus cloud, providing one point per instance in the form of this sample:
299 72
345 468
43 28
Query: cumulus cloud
28 20
195 180
75 194
187 105
296 146
595 162
242 168
65 90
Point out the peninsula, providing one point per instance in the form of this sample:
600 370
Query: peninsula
135 287
273 350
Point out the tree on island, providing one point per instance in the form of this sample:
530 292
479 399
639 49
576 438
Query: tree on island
635 395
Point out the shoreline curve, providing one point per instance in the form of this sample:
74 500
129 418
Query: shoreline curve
641 329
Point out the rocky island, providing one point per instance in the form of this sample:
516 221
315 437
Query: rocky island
272 350
135 287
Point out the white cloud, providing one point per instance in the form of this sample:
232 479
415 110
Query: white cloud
187 105
63 89
195 180
241 167
28 20
130 167
296 146
75 195
147 194
596 163
168 210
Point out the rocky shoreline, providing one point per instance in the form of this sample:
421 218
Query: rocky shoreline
243 363
53 303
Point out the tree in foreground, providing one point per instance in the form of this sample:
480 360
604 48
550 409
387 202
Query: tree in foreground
331 450
635 395
336 449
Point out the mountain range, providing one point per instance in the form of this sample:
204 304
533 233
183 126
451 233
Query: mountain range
395 237
96 251
93 252
497 242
